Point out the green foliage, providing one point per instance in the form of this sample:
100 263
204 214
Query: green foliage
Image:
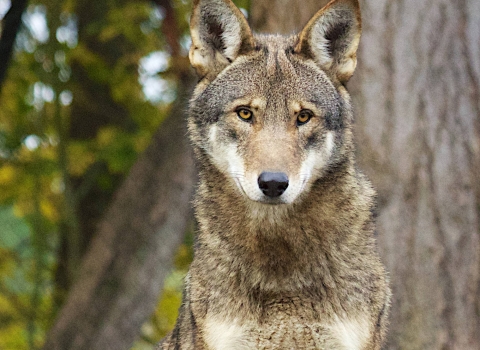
24 281
48 170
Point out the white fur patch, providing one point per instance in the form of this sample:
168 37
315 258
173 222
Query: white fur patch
352 333
329 143
228 160
225 156
223 335
231 38
198 58
320 46
313 163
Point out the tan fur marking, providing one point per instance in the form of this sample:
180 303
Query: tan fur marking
271 61
277 59
297 106
256 103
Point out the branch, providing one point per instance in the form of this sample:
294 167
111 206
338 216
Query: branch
169 26
11 24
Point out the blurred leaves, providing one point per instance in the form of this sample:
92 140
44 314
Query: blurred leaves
46 170
18 271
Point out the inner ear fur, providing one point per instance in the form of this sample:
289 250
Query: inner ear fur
331 38
220 33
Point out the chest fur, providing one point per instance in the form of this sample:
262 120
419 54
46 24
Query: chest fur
287 333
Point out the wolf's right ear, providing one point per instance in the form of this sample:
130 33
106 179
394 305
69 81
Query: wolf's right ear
331 38
220 33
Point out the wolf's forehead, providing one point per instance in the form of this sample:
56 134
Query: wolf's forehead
276 48
273 72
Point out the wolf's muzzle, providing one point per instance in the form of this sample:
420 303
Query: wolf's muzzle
273 184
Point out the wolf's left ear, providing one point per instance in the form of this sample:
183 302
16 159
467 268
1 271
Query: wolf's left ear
331 38
220 33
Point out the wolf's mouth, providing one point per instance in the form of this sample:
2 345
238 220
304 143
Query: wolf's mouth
272 201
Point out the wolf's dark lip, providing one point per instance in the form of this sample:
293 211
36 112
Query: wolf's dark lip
271 201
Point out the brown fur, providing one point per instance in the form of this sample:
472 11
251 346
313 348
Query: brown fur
299 271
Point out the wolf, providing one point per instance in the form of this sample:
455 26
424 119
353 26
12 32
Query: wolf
285 254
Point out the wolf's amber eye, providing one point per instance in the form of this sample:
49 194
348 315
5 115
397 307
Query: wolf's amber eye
245 114
304 116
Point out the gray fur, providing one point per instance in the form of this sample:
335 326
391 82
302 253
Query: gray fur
296 272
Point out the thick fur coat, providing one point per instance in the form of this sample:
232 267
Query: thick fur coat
285 255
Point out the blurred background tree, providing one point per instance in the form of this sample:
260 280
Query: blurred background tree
96 175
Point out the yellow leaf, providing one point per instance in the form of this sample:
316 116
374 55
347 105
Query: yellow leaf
7 174
81 157
22 208
106 136
49 211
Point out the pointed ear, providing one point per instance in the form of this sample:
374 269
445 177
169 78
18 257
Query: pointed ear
331 38
220 33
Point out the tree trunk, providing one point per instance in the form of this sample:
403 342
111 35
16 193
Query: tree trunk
123 272
282 16
417 97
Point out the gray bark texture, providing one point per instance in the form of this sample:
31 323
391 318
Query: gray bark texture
417 97
282 16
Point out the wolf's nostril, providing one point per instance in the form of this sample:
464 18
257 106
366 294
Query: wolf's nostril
273 184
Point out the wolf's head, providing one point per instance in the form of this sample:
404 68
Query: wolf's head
271 112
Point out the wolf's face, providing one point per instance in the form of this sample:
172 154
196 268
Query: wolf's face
271 112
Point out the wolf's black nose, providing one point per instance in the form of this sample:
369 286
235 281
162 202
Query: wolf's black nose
273 184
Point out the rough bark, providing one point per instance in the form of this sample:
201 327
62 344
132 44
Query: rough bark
282 16
417 96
